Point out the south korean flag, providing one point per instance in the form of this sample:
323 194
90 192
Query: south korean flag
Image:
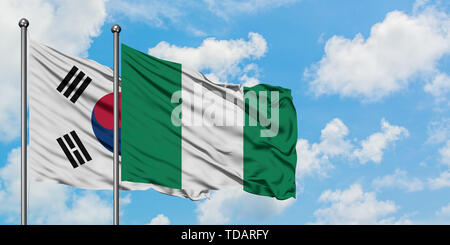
71 122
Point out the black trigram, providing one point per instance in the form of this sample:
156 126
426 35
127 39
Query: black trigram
74 84
73 148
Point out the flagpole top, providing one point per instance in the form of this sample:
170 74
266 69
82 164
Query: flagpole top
24 23
115 28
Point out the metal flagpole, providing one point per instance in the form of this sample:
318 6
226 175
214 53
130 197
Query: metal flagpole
116 30
23 24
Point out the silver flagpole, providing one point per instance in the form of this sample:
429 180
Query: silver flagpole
116 30
23 24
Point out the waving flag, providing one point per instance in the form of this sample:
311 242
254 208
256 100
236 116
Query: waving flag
182 131
71 122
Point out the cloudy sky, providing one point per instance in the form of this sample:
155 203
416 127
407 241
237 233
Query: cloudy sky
370 82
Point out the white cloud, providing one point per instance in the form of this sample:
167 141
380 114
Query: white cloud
443 180
444 211
419 5
445 153
354 206
439 86
439 131
66 25
229 206
403 220
228 8
160 219
88 208
398 180
49 203
315 158
440 182
385 62
125 200
222 58
9 109
372 148
332 138
250 74
310 160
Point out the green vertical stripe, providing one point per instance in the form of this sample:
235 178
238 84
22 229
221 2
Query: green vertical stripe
151 144
270 162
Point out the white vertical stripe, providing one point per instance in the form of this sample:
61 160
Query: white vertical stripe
212 154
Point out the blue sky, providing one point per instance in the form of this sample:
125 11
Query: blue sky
370 82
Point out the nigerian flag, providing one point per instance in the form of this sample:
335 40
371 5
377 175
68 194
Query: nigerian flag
183 131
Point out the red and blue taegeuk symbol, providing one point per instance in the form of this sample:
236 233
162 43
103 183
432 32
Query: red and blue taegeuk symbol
103 121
